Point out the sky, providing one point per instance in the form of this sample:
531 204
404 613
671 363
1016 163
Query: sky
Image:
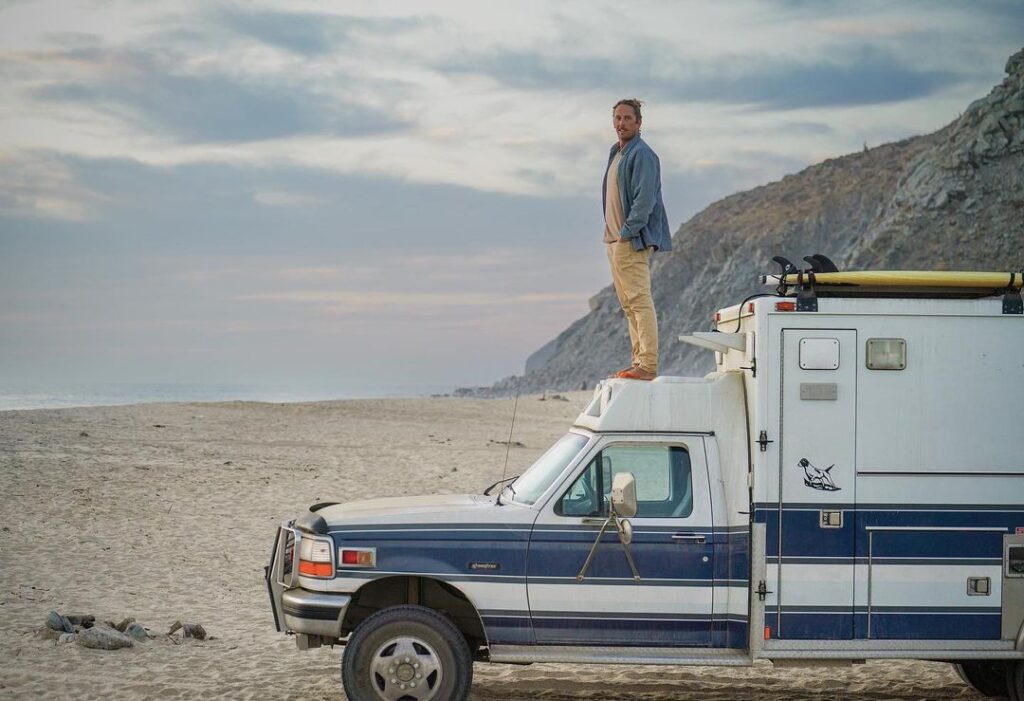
407 192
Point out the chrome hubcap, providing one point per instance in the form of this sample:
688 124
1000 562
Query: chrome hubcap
405 668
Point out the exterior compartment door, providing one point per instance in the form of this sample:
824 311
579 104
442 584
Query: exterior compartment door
815 587
933 583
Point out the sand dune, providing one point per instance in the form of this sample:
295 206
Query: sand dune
167 511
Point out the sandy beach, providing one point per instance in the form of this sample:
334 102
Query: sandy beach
166 512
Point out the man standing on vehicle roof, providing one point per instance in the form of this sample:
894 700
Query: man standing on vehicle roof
635 225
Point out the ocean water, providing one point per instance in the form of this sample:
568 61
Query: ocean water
14 396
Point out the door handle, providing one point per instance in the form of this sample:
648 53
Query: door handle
593 521
699 538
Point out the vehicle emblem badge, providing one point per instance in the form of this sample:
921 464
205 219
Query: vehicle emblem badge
484 566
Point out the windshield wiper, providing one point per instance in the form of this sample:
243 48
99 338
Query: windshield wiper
487 492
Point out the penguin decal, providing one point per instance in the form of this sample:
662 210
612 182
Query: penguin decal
817 478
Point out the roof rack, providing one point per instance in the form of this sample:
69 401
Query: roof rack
808 285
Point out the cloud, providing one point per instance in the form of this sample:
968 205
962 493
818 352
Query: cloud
850 77
310 33
471 306
193 208
279 198
160 91
410 300
41 185
805 127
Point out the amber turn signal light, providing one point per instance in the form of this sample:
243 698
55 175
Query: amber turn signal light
315 569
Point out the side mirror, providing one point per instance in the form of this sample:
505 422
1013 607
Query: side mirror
624 495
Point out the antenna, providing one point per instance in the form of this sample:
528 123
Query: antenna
508 444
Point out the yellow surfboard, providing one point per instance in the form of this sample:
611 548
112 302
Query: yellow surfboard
910 278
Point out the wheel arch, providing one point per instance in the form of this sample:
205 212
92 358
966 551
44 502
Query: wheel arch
430 592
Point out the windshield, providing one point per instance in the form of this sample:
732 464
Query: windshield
532 483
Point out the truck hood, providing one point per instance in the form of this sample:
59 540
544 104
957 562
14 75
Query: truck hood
427 510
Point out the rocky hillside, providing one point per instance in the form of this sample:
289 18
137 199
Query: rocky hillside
949 200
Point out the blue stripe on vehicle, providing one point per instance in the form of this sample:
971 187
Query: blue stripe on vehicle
448 550
934 626
622 616
890 626
573 629
815 506
427 533
732 559
735 634
909 610
519 529
445 576
498 579
414 527
660 537
941 544
982 561
508 627
812 626
803 537
633 616
446 557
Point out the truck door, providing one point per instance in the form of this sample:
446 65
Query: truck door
673 548
815 587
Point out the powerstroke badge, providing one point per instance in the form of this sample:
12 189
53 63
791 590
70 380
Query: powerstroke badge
484 566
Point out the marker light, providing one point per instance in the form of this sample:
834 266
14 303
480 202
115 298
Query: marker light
315 557
785 306
358 557
767 632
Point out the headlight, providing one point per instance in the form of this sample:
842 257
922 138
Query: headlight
316 557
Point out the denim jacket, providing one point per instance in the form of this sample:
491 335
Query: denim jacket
640 190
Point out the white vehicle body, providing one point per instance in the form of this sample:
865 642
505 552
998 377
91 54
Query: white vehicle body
848 484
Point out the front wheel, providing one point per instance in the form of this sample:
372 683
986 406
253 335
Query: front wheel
406 653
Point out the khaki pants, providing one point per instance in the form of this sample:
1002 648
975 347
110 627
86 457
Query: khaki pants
631 275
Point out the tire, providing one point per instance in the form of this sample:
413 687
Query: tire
987 677
407 653
1015 680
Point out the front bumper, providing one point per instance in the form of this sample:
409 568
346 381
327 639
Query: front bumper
314 613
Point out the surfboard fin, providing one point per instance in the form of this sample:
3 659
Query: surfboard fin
785 264
821 264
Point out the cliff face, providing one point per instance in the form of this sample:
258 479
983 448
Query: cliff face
949 200
960 204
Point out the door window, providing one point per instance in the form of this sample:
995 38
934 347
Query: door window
664 487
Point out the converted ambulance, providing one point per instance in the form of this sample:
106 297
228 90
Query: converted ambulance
848 484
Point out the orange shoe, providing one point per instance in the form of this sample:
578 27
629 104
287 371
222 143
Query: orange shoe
618 373
637 373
